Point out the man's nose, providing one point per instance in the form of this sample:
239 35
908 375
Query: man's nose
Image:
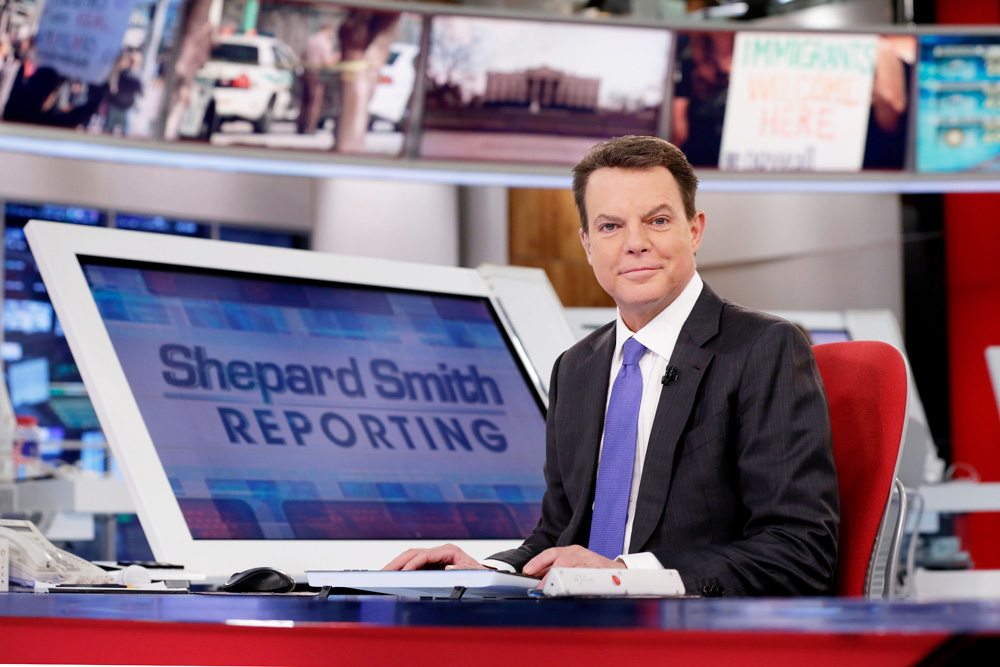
636 238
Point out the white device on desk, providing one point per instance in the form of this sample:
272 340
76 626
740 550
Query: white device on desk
33 558
604 582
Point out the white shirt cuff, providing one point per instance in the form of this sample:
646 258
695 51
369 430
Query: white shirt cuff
499 565
641 561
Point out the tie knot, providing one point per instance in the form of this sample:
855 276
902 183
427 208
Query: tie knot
632 352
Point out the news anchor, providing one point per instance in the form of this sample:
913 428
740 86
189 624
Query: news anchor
691 433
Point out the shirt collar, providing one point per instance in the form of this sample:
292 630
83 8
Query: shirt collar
661 333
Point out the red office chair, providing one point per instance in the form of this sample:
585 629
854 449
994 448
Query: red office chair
866 385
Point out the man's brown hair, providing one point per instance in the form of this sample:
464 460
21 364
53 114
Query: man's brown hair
632 152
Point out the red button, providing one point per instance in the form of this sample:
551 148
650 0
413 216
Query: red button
614 578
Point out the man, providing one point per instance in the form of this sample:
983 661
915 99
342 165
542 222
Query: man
124 86
318 56
728 448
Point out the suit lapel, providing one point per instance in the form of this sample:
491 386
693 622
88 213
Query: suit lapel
672 412
585 436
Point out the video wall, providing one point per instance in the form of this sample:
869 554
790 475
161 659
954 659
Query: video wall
398 81
42 377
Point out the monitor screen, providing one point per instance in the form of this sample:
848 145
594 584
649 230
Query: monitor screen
161 225
293 410
958 119
42 376
293 75
538 91
88 66
264 237
789 102
311 411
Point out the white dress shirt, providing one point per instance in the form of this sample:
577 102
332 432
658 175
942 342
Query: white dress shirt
659 337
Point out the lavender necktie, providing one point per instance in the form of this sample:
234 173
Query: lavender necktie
614 476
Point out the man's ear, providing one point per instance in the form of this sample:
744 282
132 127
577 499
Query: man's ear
585 240
697 230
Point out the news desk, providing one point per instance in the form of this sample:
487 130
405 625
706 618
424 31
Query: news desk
380 630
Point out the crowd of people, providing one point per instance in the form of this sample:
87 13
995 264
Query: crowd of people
39 94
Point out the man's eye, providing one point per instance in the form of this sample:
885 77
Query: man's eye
607 226
660 221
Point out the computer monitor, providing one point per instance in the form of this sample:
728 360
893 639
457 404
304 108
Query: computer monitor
302 410
41 373
279 239
158 224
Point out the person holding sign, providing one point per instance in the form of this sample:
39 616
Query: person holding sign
691 433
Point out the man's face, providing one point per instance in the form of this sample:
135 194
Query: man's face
638 239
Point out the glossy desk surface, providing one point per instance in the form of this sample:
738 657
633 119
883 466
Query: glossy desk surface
306 631
801 615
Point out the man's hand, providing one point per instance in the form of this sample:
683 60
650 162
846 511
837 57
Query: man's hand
573 556
445 556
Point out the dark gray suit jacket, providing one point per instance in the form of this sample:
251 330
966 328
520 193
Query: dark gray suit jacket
739 491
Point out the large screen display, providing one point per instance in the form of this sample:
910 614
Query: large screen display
958 124
295 75
541 92
91 66
789 102
288 409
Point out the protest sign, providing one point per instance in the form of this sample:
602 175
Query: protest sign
81 39
798 102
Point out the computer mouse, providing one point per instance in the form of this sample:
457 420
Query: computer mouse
259 580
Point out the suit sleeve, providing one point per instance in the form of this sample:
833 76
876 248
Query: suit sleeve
787 483
556 509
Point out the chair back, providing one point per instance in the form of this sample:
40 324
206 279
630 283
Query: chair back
866 386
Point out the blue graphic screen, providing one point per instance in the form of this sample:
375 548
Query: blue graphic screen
286 409
958 113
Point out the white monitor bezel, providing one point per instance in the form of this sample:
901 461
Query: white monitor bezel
57 248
